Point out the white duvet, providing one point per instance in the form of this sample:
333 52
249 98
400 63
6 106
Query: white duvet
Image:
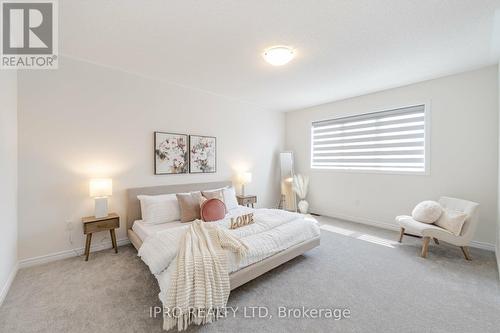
273 231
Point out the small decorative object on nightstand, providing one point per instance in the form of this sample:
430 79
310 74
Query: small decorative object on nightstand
247 200
93 224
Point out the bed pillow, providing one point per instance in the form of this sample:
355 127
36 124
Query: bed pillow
452 220
213 194
213 210
427 212
230 198
156 209
189 204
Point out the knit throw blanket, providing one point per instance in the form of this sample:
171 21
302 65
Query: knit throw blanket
200 287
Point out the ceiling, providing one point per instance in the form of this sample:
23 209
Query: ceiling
344 48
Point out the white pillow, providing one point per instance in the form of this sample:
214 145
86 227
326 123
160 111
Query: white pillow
156 209
230 198
452 220
427 212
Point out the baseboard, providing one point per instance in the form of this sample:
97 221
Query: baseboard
8 283
483 246
362 220
389 226
68 253
497 254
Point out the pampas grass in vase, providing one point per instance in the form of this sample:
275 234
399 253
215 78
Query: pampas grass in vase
300 187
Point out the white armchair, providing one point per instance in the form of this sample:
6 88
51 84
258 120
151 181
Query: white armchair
428 231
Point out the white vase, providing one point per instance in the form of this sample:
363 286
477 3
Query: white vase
303 206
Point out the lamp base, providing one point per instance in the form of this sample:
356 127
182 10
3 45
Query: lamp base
101 207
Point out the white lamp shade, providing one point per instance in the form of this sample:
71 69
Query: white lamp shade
246 178
100 187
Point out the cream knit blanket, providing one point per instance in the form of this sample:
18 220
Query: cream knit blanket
200 287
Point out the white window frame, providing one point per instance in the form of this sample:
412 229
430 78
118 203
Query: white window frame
427 141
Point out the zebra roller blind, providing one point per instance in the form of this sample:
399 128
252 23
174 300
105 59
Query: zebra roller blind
392 141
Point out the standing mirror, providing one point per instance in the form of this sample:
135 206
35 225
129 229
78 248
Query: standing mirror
288 199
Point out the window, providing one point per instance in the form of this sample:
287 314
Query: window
387 141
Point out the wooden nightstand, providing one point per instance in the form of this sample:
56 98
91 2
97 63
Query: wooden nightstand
92 224
247 200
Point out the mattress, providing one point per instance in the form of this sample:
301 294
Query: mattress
144 230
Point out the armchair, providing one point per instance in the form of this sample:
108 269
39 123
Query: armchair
428 231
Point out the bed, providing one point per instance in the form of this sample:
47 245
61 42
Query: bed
137 232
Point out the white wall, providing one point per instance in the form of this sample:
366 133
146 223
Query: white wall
498 198
464 152
84 121
8 179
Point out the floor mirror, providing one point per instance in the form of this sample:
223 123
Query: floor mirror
288 198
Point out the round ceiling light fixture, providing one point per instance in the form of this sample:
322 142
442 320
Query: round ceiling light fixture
278 55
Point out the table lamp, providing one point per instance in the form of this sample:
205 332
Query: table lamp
245 178
100 189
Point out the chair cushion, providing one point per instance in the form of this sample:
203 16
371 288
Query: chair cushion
416 227
427 212
452 220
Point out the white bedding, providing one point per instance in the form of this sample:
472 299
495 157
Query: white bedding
273 231
144 230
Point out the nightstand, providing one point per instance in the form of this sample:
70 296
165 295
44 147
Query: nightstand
92 224
247 200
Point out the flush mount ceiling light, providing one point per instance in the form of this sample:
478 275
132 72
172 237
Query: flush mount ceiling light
278 55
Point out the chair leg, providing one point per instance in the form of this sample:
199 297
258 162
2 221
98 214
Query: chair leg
425 247
401 234
436 240
465 251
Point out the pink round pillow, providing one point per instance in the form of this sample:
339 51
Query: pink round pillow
213 210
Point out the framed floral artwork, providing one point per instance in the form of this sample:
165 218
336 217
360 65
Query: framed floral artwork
171 153
203 154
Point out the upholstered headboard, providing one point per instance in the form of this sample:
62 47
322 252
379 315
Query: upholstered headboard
133 204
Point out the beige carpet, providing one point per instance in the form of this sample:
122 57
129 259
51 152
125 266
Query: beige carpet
386 286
